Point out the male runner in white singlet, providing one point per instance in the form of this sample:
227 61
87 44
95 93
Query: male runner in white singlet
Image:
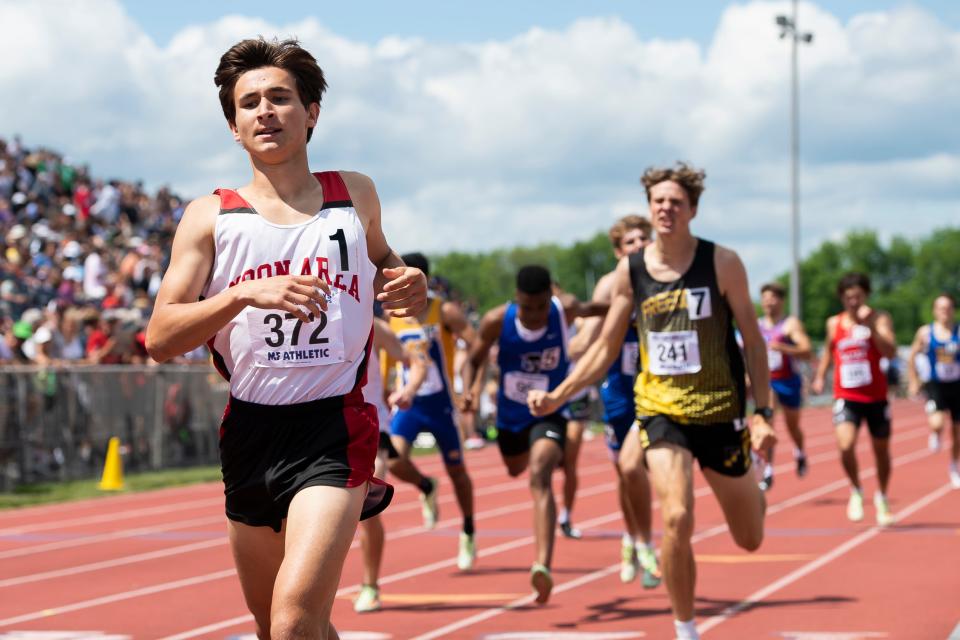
278 278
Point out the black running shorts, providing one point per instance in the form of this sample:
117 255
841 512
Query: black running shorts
876 415
944 396
721 447
515 443
270 452
386 445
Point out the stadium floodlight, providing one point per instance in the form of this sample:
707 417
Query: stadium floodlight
788 27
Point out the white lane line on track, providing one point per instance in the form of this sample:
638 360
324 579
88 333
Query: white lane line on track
117 597
115 535
822 561
113 516
500 548
108 564
703 491
956 633
602 573
216 626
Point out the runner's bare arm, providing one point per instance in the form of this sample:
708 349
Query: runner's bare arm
919 344
402 290
883 335
601 354
732 280
181 323
801 341
387 340
574 308
473 369
590 328
819 378
457 323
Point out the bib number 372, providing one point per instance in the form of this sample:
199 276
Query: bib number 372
281 339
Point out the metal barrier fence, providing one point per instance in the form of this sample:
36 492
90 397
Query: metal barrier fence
55 423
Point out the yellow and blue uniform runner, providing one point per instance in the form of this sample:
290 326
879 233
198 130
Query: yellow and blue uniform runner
432 408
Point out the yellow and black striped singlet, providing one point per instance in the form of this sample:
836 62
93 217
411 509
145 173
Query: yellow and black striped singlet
692 370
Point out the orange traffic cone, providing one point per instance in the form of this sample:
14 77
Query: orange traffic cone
112 478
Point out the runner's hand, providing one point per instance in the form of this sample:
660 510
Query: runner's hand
762 436
465 402
541 403
817 385
405 293
303 296
400 399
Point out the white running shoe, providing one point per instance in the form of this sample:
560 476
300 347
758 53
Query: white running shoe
855 506
933 441
629 562
467 553
367 600
429 505
954 476
884 517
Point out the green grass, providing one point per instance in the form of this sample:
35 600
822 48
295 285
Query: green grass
49 492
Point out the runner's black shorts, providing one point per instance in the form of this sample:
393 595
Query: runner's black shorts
515 443
579 408
386 445
268 453
722 446
944 396
876 415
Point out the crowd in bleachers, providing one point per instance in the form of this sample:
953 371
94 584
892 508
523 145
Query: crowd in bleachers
82 260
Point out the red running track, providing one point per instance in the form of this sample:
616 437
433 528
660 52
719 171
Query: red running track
157 565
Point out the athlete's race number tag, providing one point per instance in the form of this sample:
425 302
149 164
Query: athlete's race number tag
433 383
774 359
673 353
279 339
948 371
517 384
698 303
628 359
855 374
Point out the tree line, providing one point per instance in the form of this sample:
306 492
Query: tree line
906 274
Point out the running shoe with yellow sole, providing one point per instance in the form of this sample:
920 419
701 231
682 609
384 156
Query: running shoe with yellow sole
629 563
884 517
367 600
651 570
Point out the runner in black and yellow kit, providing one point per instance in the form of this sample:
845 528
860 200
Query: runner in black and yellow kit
686 293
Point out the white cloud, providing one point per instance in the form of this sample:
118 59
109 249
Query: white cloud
537 138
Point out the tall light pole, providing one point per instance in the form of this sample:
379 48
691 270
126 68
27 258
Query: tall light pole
788 28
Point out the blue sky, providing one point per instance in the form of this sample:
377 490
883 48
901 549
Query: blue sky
494 19
505 124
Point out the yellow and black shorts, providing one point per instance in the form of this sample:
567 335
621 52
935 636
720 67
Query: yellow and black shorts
723 446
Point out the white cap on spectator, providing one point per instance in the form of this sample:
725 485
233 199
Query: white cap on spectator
69 210
16 232
73 272
18 198
42 335
72 249
32 316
